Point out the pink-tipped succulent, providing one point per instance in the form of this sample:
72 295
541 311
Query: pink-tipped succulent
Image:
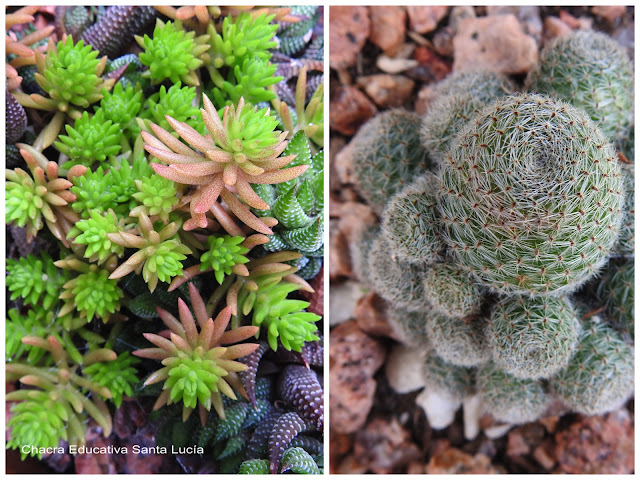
242 148
198 366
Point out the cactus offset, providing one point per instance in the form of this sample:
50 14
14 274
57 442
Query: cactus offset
388 155
591 71
533 337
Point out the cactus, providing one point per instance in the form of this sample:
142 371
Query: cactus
458 98
532 196
591 71
626 239
451 291
615 290
458 342
388 155
411 224
359 250
533 338
452 381
599 377
397 282
510 399
409 327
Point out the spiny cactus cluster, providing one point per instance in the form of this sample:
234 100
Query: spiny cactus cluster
160 208
510 226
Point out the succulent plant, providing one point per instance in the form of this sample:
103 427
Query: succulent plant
458 341
283 318
451 381
70 73
533 338
410 222
409 327
308 116
35 279
626 240
177 102
591 71
223 254
508 398
29 198
90 293
118 376
58 407
159 256
102 199
388 155
243 149
242 37
363 240
91 139
298 205
599 377
400 283
173 53
615 289
451 291
519 206
458 98
15 119
115 27
198 368
156 196
121 105
249 80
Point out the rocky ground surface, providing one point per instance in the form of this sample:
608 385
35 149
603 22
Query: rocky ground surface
387 57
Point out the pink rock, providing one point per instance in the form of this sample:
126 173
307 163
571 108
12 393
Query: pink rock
497 43
348 33
385 90
354 217
597 444
385 445
611 13
425 19
554 27
388 26
339 260
349 108
453 461
371 317
354 359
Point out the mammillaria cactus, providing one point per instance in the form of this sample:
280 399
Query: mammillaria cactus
599 377
410 222
591 71
400 283
387 155
458 98
615 290
533 337
451 291
511 399
458 341
532 196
